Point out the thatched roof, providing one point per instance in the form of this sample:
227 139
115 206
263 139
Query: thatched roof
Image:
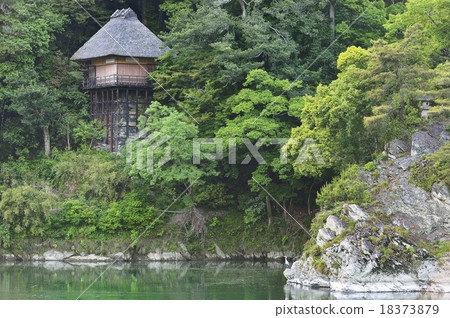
123 35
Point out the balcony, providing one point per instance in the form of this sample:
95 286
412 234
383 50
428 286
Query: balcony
116 80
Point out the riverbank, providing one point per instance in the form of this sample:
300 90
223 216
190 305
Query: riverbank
107 251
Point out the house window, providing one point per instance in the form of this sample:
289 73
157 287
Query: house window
131 59
110 61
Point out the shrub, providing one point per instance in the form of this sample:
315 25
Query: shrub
423 174
370 166
5 235
348 187
90 175
441 160
254 211
26 210
132 213
75 218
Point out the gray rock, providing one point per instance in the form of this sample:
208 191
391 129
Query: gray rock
54 255
184 251
444 137
422 144
406 162
91 258
120 257
440 192
323 236
355 264
396 148
302 272
7 258
436 130
220 253
355 212
335 224
165 256
435 273
367 247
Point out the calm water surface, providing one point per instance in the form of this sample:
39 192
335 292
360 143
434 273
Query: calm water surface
159 280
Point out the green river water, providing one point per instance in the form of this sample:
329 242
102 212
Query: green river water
164 280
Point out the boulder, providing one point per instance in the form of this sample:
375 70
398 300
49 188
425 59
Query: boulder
406 162
220 253
91 258
7 258
54 255
422 144
396 148
355 212
302 272
436 130
323 236
165 256
184 251
335 224
120 257
440 192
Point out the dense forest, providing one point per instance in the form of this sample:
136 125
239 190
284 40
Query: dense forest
346 74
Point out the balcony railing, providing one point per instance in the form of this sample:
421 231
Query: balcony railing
116 80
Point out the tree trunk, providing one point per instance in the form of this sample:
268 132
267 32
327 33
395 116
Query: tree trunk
269 210
244 11
332 19
309 197
68 138
401 105
46 141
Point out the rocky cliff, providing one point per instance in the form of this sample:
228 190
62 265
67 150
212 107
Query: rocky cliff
398 241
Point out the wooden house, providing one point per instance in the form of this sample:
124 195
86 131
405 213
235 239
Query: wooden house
118 59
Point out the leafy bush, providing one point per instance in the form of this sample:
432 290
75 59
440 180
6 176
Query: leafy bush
432 168
75 218
92 175
254 211
348 187
441 160
132 213
26 210
5 235
423 174
370 166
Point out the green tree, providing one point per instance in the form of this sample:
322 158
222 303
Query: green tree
168 167
258 115
26 210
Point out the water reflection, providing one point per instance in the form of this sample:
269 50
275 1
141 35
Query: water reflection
296 292
155 280
165 280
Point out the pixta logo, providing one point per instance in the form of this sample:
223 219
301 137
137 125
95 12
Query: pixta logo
144 145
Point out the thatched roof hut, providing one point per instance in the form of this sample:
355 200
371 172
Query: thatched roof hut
123 35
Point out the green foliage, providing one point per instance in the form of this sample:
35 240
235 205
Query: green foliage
254 212
76 218
130 214
353 57
432 168
5 235
89 132
346 188
370 166
423 174
26 210
441 160
387 254
90 174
